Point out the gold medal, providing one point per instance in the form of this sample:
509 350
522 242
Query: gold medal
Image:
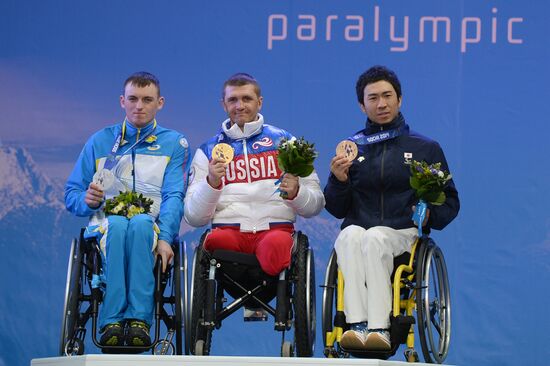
223 152
348 149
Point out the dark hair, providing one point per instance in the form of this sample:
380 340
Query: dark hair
374 74
240 79
142 79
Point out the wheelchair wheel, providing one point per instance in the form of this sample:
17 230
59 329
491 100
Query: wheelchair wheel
180 294
304 298
433 303
287 349
70 344
330 291
199 336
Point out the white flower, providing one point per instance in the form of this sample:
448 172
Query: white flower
291 141
118 208
440 174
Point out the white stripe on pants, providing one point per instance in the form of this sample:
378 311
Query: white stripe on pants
365 258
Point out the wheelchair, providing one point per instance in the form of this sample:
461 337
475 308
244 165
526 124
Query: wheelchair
83 297
240 275
420 283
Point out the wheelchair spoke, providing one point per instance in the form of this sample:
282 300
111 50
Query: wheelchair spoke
435 322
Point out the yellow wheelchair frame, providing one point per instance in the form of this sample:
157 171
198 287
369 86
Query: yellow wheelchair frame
419 283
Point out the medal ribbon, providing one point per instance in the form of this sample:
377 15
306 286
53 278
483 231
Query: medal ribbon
111 160
362 139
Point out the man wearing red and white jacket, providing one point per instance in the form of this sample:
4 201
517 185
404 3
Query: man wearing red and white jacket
238 198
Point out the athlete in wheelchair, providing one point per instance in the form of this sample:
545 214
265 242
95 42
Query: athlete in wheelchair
369 187
252 251
129 180
84 293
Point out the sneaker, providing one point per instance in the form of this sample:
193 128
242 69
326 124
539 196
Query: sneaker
113 335
255 314
378 340
138 334
355 337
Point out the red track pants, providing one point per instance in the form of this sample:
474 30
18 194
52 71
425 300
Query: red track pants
272 247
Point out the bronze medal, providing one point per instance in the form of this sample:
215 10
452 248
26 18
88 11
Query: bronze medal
348 149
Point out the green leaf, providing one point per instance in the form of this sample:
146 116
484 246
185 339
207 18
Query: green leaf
415 183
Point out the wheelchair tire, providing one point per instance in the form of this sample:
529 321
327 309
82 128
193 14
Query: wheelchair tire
199 336
287 349
433 303
330 292
304 298
180 303
73 288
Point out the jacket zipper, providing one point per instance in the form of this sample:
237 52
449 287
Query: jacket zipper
382 180
245 150
246 161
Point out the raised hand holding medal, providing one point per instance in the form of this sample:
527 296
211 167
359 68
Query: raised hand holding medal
222 154
346 152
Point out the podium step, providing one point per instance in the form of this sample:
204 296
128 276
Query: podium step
147 360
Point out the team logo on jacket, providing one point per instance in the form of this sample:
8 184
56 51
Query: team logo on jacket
408 156
153 147
257 167
266 142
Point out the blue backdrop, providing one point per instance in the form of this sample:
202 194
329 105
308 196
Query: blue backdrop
473 75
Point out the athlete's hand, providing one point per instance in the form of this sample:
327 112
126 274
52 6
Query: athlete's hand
290 184
339 166
94 196
166 253
216 170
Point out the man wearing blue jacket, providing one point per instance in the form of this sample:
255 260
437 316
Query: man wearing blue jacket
135 155
372 194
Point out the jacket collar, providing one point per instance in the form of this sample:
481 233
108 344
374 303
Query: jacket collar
131 130
250 128
373 127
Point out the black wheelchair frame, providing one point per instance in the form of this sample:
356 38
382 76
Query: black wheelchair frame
241 277
83 298
420 282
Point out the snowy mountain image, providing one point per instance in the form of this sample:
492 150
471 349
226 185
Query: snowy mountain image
34 248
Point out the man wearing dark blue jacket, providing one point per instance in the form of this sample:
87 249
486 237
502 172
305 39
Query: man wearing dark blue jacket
373 195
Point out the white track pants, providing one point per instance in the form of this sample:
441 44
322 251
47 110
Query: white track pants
365 258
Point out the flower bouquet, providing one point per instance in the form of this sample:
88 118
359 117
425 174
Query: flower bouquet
296 157
428 182
128 204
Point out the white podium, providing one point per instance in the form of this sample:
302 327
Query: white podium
142 360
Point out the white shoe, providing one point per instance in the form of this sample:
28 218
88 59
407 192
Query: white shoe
378 340
353 339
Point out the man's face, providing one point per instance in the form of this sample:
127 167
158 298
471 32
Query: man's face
380 102
241 103
141 104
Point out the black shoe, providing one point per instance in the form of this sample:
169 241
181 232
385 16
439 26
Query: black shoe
138 334
113 335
